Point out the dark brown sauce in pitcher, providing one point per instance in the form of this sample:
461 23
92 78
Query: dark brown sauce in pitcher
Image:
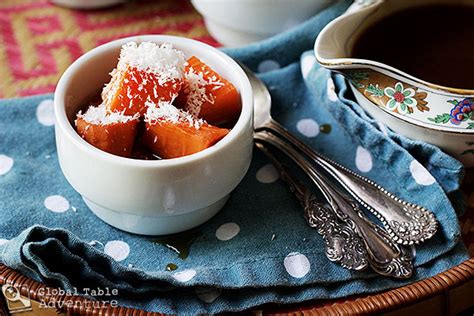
433 43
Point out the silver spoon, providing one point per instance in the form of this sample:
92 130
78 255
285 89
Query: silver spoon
384 256
406 223
343 244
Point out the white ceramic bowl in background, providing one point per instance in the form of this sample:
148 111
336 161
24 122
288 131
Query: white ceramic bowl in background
150 197
240 22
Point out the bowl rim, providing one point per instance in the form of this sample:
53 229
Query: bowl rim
244 87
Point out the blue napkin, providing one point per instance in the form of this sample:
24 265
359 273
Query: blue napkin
258 249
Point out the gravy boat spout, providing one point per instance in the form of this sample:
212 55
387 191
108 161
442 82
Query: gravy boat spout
407 104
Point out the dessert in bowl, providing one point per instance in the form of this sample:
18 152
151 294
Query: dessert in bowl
132 155
419 87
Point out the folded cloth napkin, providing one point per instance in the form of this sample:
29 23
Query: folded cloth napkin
258 249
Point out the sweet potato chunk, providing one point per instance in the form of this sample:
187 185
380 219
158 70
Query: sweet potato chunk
169 105
115 138
135 87
171 140
207 95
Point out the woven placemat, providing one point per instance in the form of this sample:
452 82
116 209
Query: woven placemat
38 40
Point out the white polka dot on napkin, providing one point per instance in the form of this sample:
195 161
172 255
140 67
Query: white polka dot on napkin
308 127
268 65
420 174
6 164
227 231
45 112
363 159
297 265
117 249
267 174
56 203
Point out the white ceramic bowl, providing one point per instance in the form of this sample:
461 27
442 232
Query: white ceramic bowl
240 22
150 197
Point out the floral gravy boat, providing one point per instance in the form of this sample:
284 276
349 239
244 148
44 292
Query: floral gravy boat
404 99
408 105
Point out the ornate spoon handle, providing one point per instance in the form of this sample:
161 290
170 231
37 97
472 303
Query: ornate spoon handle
406 223
343 245
384 256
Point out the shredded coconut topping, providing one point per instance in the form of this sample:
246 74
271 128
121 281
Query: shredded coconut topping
110 89
99 115
165 110
162 60
195 88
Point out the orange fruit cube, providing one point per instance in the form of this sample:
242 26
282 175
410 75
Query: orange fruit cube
207 95
130 89
171 140
113 137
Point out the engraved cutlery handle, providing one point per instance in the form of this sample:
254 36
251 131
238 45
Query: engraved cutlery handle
384 256
406 223
343 245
